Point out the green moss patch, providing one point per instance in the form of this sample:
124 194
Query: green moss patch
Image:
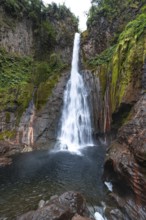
45 90
128 58
6 135
119 65
104 57
16 86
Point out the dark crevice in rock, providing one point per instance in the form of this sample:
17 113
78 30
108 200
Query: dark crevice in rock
120 184
119 117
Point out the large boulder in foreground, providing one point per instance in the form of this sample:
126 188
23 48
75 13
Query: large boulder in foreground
126 162
65 207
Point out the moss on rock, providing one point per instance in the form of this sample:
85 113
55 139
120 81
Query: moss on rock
6 135
122 63
128 58
45 90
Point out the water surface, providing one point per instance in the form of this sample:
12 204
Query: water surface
41 174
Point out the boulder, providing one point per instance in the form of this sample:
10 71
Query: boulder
78 217
5 161
62 207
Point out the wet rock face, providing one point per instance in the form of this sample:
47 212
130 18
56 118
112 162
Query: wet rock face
126 162
100 109
68 206
36 128
94 100
116 214
46 121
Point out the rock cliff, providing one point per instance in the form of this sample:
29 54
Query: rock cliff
34 62
125 164
119 65
35 56
16 36
106 20
119 69
40 127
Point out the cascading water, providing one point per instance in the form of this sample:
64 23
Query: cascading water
75 132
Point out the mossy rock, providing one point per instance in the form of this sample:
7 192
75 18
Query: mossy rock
122 63
128 58
7 135
44 91
8 117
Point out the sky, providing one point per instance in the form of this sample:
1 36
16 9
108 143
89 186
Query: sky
78 7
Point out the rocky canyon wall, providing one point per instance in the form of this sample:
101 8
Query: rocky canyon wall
38 128
35 59
105 23
120 70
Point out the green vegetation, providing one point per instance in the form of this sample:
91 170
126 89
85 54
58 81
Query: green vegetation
123 62
46 22
36 10
25 77
60 12
48 35
14 69
134 28
104 57
45 90
128 58
115 14
46 75
15 82
6 135
42 70
111 8
19 76
20 8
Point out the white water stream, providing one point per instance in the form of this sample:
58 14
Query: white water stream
76 131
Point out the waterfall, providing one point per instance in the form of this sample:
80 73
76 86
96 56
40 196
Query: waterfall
75 132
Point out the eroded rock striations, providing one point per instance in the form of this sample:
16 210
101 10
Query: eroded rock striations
121 72
125 163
